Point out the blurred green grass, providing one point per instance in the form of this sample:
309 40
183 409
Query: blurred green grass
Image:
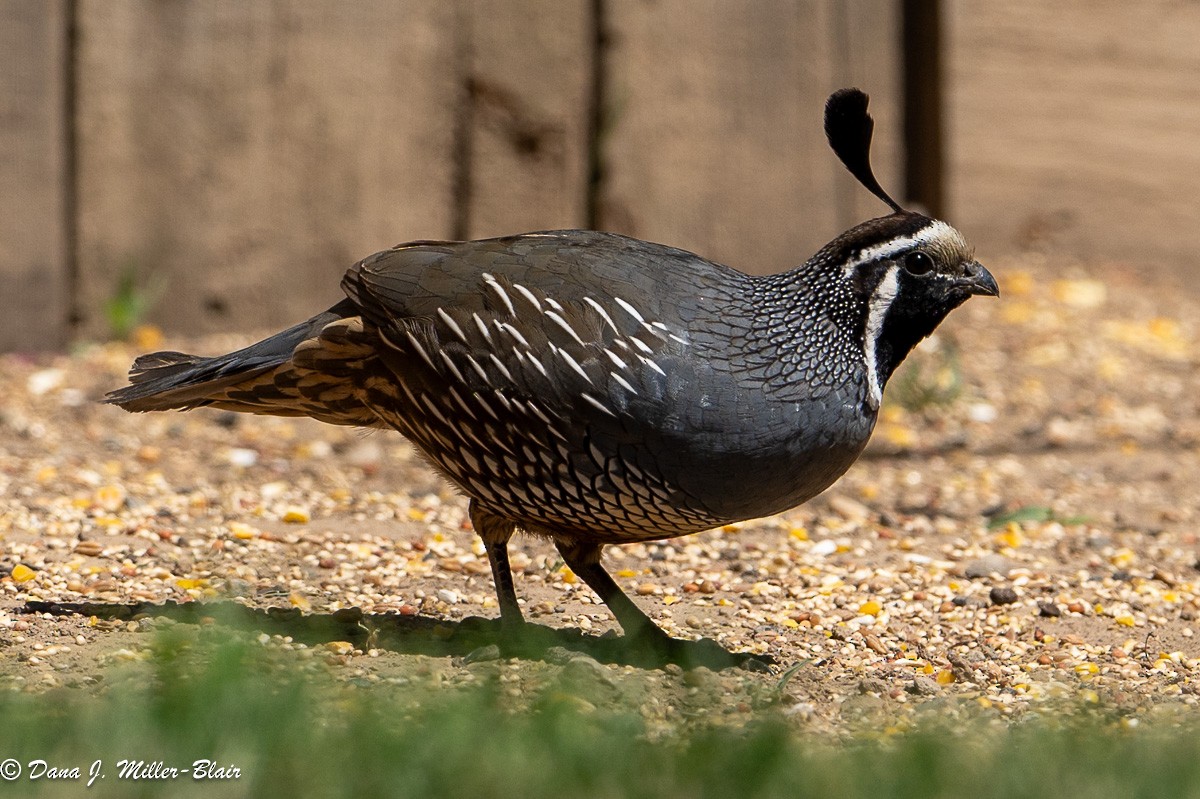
295 732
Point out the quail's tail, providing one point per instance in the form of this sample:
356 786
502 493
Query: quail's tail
305 370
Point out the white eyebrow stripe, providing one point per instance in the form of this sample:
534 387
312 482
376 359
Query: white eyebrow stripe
937 229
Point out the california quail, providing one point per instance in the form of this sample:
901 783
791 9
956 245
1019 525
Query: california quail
597 389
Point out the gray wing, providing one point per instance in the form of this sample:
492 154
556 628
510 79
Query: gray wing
560 361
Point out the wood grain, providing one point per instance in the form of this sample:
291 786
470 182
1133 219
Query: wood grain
34 268
239 156
1075 130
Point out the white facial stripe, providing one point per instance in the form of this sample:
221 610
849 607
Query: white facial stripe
935 230
881 300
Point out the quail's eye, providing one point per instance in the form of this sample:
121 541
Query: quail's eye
918 263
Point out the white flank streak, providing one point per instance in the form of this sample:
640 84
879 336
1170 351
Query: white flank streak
483 328
629 309
482 403
420 350
652 365
574 364
558 320
643 346
433 409
881 300
458 331
555 304
598 308
538 364
479 370
597 404
408 391
536 411
516 334
462 403
468 435
450 365
612 356
625 383
935 230
501 367
653 329
500 292
528 295
498 394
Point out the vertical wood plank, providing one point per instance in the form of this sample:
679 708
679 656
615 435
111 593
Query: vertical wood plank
34 279
716 141
529 88
242 155
1074 129
868 56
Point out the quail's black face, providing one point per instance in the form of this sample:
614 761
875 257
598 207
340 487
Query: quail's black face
908 271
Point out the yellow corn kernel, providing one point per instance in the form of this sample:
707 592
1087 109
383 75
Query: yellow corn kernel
242 531
295 515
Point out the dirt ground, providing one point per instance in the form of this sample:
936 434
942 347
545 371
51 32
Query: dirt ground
1023 530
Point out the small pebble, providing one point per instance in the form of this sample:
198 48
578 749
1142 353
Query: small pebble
1002 595
987 566
923 686
1049 609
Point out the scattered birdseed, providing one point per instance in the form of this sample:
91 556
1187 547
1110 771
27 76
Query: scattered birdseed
889 580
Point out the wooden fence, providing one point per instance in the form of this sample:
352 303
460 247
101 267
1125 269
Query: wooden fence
232 157
238 156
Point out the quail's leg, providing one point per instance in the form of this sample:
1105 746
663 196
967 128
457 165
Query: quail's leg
495 532
584 560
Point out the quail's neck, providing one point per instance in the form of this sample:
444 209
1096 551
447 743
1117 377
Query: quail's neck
807 331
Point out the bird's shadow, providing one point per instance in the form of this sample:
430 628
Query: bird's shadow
470 639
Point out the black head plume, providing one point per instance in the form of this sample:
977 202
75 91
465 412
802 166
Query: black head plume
848 127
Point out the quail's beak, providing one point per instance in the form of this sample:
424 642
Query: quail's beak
978 280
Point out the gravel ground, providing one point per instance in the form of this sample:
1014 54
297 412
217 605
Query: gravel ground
1022 531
